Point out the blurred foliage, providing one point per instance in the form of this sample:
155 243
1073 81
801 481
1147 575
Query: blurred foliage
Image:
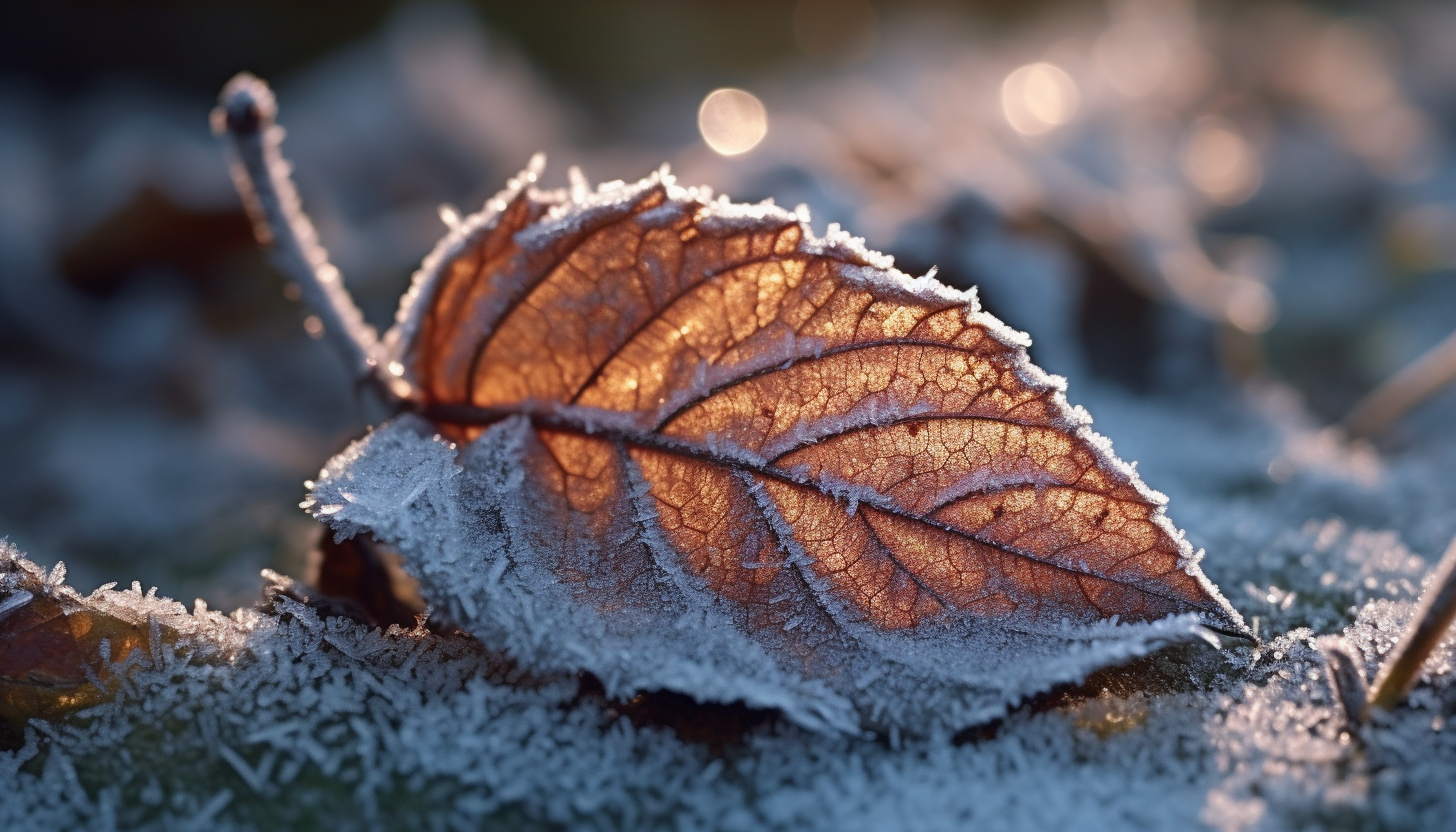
600 52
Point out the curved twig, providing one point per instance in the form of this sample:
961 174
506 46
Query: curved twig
245 118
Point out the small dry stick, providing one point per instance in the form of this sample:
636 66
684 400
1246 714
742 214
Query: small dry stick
245 117
1413 384
1429 624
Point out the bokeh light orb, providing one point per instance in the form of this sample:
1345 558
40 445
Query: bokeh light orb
732 121
1038 97
1220 162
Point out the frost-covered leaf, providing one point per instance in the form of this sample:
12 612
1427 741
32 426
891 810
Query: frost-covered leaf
60 651
713 453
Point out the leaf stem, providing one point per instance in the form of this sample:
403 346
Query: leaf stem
245 117
1429 624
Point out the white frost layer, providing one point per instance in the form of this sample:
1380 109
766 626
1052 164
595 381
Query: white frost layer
324 723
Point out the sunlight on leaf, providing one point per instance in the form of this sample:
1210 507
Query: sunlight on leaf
703 409
880 445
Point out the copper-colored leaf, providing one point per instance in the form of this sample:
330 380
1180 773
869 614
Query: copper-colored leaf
783 399
57 651
61 651
696 399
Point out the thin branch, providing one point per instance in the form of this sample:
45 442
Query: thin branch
1413 384
1429 624
245 117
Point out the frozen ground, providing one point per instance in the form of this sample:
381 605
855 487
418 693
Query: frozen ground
315 721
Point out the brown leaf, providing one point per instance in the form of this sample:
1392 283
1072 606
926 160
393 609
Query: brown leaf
758 463
817 432
57 651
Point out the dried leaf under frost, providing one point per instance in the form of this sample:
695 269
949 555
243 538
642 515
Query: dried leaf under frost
709 452
61 651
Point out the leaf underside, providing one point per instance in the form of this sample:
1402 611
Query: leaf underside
699 409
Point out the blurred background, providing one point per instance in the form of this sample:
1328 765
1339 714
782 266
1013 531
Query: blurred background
1187 202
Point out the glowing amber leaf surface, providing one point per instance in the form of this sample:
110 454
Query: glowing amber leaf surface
820 441
57 649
